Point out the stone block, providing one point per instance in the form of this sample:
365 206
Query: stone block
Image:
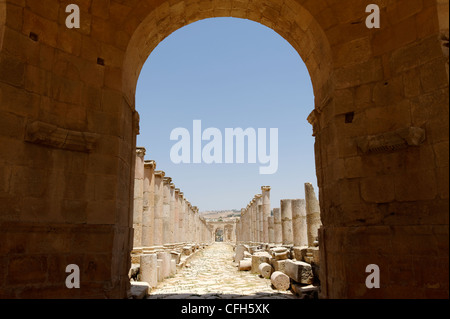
315 254
149 269
240 250
279 265
299 271
306 292
281 256
160 270
165 257
173 267
176 256
259 258
139 290
187 250
300 253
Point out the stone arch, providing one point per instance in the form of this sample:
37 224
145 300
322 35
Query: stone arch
288 18
380 121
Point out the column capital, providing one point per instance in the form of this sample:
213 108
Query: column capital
160 174
177 191
150 164
140 151
172 185
258 196
167 180
265 188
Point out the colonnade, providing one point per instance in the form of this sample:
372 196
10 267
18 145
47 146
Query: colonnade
162 214
296 222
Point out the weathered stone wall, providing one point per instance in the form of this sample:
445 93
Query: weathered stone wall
68 133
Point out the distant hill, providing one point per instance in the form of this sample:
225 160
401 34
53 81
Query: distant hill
224 214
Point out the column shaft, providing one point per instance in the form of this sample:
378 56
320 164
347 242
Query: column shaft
299 222
286 221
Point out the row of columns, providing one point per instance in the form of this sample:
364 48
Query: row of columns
162 214
296 222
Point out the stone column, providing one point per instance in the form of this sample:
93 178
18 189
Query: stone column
176 234
190 223
138 196
299 222
259 212
286 221
194 224
148 214
182 217
187 221
259 225
313 221
271 230
166 210
158 220
149 269
266 212
172 214
277 228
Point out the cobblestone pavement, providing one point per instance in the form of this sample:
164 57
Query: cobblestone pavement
212 274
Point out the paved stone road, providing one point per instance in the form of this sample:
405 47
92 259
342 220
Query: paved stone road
212 274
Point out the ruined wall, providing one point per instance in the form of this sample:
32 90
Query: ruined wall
68 135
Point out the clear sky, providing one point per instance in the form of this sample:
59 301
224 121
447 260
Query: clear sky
228 73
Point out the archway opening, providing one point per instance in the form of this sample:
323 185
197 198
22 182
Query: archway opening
219 235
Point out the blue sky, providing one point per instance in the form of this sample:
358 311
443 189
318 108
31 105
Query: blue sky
228 73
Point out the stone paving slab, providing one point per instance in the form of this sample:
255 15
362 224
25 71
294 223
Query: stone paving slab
212 274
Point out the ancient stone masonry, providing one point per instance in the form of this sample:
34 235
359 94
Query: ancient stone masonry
68 126
168 231
287 249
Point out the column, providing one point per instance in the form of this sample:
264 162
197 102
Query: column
148 214
166 209
286 221
158 220
254 229
182 217
266 212
138 196
277 228
172 214
299 222
194 221
259 217
177 233
190 226
313 221
187 221
271 230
